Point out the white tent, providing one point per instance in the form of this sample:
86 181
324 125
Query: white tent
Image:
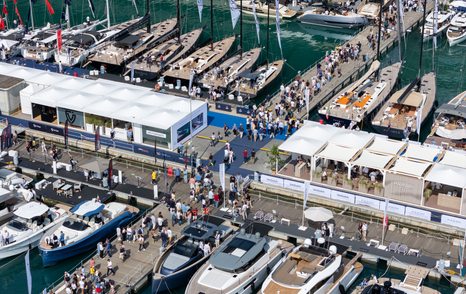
73 83
47 79
454 158
182 105
50 96
151 99
127 94
78 101
162 118
373 160
100 88
133 112
352 139
338 153
410 167
316 131
106 107
20 72
416 151
302 145
447 175
386 146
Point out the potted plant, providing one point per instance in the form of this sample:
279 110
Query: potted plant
347 183
274 158
427 194
378 188
363 184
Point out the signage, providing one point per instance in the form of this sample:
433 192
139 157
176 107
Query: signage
243 110
419 213
393 208
223 106
156 134
272 180
364 201
319 191
45 128
342 196
293 185
453 221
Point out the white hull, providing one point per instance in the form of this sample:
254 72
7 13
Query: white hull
454 41
21 246
66 60
346 281
38 56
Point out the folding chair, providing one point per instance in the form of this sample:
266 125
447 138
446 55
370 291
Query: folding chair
393 247
268 217
403 249
259 215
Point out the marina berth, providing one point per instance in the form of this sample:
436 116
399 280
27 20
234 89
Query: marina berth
263 6
89 221
444 18
450 119
456 33
31 221
333 17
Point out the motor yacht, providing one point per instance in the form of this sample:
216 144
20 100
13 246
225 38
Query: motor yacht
450 119
456 33
333 17
180 261
9 41
239 265
359 100
89 221
311 269
444 18
30 222
262 6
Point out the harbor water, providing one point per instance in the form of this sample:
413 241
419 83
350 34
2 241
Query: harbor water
303 46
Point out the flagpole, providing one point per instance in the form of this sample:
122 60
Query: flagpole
384 220
211 25
241 29
32 14
268 28
178 20
107 8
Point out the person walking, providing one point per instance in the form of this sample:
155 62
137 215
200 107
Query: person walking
110 268
100 249
253 155
108 248
364 231
141 243
245 155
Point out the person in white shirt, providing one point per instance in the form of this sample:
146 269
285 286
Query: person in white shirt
206 249
217 239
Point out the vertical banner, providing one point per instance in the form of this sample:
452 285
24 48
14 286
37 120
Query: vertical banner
97 139
110 173
307 187
234 10
256 21
419 120
191 79
28 272
200 6
59 40
155 152
277 20
221 174
385 220
65 134
132 71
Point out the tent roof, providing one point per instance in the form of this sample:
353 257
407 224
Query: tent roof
447 175
74 83
416 151
338 153
161 118
125 93
50 96
373 160
454 158
47 78
302 145
410 167
78 101
316 131
386 146
105 107
100 88
352 139
151 99
134 112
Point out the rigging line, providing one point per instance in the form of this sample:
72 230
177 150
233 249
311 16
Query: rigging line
24 253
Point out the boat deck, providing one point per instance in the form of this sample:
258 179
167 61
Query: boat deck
251 88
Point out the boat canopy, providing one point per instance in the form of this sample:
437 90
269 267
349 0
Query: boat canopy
31 210
87 208
455 110
249 75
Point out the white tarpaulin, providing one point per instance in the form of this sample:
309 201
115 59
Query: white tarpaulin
31 210
386 146
447 175
106 107
352 139
454 158
318 214
50 96
416 151
410 167
372 160
46 79
316 131
300 145
78 101
338 153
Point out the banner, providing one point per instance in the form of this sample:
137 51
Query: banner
97 139
59 40
221 174
294 185
385 216
320 191
28 272
200 5
191 79
132 71
266 179
235 13
307 185
256 21
419 119
277 20
419 213
65 134
49 7
110 173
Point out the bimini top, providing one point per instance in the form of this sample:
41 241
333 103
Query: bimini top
200 230
87 208
31 210
238 252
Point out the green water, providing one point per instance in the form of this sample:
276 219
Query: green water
303 45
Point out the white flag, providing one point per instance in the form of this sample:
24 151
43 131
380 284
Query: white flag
200 5
234 10
28 272
277 19
67 13
306 193
191 78
435 28
256 20
418 120
132 70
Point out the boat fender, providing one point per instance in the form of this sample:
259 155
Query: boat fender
268 270
341 288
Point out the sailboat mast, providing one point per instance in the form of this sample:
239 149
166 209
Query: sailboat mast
424 4
211 25
268 29
400 28
379 35
148 13
241 29
178 20
67 13
32 14
108 13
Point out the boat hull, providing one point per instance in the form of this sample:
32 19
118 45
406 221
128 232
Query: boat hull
20 247
453 41
334 21
53 256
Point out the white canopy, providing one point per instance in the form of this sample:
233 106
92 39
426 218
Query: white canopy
151 99
31 210
100 87
454 158
416 151
161 118
47 78
373 160
78 101
316 131
338 153
134 112
410 167
447 175
352 139
106 107
50 96
302 145
19 72
318 214
386 146
73 83
128 94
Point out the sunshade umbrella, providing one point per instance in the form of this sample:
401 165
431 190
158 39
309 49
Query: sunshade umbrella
97 165
318 214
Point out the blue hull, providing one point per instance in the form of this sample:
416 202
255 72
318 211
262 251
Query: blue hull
176 280
53 256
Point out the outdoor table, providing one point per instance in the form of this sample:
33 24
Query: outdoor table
58 184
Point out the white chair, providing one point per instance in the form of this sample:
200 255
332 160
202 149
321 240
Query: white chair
170 86
138 80
127 78
184 89
240 99
231 97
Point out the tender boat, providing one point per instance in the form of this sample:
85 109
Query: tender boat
262 6
179 262
359 101
400 115
89 222
456 33
30 222
310 269
444 18
239 265
370 10
336 18
450 119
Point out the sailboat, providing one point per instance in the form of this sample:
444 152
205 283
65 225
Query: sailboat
263 6
407 109
151 63
127 46
252 83
228 71
202 59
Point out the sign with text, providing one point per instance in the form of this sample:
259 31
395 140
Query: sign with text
319 191
293 185
272 180
393 208
453 221
156 134
46 128
419 213
364 201
342 196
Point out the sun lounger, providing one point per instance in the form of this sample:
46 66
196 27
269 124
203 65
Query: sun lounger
393 246
259 215
403 249
268 217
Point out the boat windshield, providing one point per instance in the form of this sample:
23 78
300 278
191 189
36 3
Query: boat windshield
17 225
186 249
75 225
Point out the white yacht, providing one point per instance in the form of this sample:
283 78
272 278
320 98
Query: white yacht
456 33
9 40
310 269
239 265
262 6
450 119
443 19
30 222
334 18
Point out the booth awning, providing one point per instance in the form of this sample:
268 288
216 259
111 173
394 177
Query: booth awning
386 146
352 139
420 152
302 145
410 167
373 160
338 153
447 175
454 158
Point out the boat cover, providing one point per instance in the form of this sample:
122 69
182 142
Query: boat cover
87 208
31 210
